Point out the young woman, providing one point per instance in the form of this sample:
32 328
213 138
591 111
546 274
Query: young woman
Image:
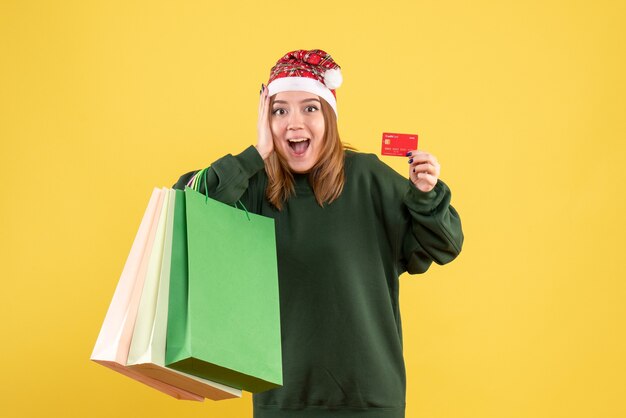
347 226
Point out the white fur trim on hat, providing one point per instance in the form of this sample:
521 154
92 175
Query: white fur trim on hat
303 84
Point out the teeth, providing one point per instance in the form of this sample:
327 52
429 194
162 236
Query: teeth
297 139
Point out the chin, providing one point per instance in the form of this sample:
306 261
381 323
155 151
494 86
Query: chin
296 166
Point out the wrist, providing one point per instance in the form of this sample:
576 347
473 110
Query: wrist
263 152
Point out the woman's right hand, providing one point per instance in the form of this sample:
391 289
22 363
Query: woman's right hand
265 142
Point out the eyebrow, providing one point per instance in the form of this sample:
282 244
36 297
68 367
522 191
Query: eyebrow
305 100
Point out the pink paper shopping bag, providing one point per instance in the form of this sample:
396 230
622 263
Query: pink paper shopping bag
112 347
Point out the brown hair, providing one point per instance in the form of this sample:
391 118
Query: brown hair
326 176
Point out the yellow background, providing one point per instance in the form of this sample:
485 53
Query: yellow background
522 102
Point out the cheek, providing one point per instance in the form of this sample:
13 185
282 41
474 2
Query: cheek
274 128
319 128
276 124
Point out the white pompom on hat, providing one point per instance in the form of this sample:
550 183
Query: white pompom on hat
313 71
333 78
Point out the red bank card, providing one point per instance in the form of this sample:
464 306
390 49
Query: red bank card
398 144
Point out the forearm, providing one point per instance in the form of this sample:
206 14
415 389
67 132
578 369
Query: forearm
436 233
227 179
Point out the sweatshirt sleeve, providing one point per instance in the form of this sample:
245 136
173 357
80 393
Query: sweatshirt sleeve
435 232
229 178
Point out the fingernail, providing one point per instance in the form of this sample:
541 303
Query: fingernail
408 154
411 160
414 170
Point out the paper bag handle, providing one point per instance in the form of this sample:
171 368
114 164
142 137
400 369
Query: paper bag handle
194 183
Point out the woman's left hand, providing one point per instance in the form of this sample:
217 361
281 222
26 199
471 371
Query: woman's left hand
423 170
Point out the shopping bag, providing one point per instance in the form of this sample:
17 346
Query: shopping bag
112 346
224 318
147 347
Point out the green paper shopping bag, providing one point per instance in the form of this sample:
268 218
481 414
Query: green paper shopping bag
224 318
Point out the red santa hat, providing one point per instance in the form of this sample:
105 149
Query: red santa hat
313 71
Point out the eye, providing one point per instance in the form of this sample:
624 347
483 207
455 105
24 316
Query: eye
311 107
277 111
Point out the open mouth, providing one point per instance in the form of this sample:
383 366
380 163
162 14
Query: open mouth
299 145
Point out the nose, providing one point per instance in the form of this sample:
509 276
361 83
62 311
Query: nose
294 121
